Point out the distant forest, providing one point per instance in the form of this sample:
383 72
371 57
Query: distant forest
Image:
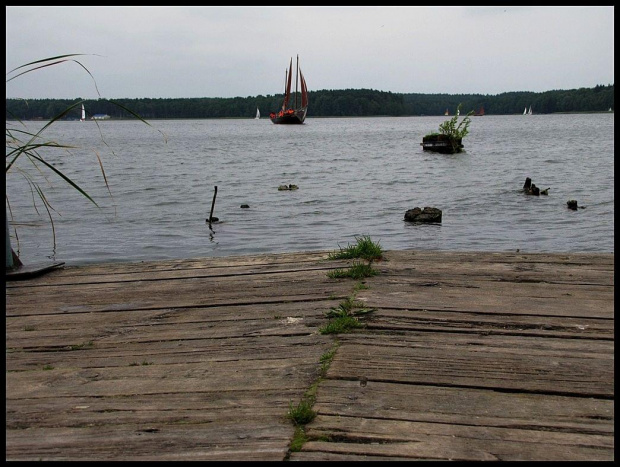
325 103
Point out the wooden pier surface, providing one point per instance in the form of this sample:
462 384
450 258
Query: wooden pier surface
466 356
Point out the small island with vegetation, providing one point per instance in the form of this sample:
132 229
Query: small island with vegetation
449 140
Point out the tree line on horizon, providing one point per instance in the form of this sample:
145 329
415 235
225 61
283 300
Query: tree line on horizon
325 103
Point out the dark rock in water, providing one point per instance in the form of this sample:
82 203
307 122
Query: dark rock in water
244 206
213 219
572 204
287 187
423 215
532 189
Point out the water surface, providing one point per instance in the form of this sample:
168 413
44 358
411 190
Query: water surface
356 176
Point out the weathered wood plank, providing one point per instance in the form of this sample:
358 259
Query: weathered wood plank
311 285
406 320
494 297
254 439
55 332
201 267
446 447
463 407
537 267
440 363
467 356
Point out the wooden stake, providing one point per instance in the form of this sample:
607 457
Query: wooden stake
212 206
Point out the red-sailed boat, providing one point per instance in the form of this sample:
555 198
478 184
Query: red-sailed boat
292 114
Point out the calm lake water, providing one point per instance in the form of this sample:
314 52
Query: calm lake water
356 176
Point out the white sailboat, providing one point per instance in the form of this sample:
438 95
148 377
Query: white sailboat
525 111
83 118
529 112
257 114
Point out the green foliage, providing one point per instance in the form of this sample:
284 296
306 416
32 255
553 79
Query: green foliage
301 414
349 306
299 438
343 318
452 130
364 248
22 143
357 271
340 325
327 103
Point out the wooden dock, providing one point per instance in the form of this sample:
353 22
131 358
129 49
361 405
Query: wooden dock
466 356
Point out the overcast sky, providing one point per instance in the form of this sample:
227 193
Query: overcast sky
170 52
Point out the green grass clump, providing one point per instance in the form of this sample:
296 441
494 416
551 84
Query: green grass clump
343 318
299 438
364 248
356 271
302 414
340 325
345 308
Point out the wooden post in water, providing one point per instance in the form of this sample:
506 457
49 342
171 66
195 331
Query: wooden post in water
212 206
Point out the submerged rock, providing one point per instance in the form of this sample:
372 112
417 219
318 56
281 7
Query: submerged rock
531 189
287 187
423 215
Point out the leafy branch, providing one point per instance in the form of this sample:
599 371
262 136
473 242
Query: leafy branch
21 143
450 127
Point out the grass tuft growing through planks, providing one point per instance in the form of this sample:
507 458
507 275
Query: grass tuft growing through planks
299 438
326 359
357 270
303 413
344 317
363 248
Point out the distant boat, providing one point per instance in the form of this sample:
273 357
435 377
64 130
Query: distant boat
525 111
609 110
480 112
446 113
529 112
83 118
295 114
257 114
